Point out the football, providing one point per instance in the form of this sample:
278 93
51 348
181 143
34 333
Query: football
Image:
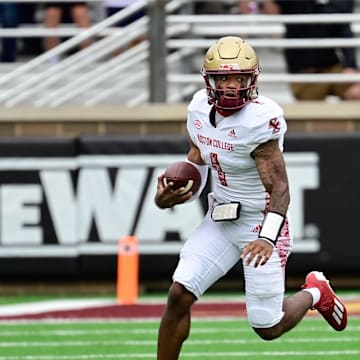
183 174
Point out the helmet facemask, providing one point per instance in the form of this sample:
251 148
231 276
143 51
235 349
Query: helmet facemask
231 55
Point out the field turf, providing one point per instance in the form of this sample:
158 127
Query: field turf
210 339
216 333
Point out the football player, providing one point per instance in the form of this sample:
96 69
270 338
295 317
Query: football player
238 135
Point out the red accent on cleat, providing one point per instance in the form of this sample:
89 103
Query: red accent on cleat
330 306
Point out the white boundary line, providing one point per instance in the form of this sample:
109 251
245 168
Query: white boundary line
185 355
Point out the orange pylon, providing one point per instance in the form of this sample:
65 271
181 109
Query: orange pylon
128 270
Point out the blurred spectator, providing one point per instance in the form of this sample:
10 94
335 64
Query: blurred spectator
317 60
248 7
9 13
210 7
30 45
53 16
114 6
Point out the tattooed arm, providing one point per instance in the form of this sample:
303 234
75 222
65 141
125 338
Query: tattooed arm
271 166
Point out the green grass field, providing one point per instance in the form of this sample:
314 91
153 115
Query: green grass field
313 339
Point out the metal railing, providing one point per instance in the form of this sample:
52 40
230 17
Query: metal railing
38 74
93 76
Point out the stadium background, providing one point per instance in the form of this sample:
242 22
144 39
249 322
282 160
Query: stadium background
33 259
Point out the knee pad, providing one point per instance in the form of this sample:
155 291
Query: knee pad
265 294
265 312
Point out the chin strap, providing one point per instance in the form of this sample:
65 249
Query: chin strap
225 113
204 171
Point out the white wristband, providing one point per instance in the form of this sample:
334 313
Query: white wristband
272 226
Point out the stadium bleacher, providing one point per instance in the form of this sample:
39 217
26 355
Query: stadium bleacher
91 77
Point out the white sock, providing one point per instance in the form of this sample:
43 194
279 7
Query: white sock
315 293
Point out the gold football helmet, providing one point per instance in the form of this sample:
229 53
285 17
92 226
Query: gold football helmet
231 55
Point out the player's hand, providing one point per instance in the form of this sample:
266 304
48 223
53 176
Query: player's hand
258 250
167 197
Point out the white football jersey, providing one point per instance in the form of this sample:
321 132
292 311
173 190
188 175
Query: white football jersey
227 148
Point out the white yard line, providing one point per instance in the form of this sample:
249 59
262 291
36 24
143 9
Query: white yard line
146 343
38 307
52 305
185 355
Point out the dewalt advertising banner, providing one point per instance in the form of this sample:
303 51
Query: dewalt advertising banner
65 203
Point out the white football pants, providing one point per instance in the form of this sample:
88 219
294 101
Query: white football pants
215 247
